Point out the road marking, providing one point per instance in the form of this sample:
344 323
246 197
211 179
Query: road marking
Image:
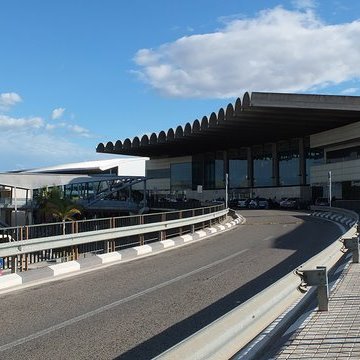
114 304
269 238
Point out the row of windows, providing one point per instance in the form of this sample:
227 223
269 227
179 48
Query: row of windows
208 169
351 153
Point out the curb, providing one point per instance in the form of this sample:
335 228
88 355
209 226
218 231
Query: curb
338 218
54 271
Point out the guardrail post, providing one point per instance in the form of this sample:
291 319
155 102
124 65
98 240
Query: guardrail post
106 246
352 244
180 229
74 253
141 236
14 264
317 278
161 235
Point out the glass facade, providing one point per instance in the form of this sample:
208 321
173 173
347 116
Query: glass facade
279 164
289 163
263 165
238 168
208 170
180 176
313 157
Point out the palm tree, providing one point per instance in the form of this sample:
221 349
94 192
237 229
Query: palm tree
63 210
52 203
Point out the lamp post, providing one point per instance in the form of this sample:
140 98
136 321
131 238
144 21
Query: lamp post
330 188
226 190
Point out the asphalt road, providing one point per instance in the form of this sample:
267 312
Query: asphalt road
138 309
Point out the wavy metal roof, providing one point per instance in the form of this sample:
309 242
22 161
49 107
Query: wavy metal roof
257 118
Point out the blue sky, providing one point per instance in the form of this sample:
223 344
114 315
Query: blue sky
74 73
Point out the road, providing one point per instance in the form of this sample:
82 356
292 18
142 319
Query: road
138 309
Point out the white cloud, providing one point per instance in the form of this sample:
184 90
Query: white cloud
57 113
39 149
350 91
7 100
79 130
11 123
304 4
278 50
28 142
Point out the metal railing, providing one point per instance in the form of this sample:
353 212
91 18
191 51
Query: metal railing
25 245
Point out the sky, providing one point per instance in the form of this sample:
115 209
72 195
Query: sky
74 73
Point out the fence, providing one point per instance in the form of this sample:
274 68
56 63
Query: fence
25 245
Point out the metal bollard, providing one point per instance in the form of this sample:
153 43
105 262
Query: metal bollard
352 244
317 278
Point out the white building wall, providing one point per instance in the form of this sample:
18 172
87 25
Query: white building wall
340 171
336 139
341 135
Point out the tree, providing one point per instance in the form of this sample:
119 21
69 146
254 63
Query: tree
53 205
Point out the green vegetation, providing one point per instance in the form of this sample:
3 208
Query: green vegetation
53 205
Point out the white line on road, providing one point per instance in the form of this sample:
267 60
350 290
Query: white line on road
114 304
268 238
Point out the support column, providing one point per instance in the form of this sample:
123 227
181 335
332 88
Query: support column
145 200
302 162
275 165
250 167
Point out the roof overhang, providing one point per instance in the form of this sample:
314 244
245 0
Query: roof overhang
31 181
256 119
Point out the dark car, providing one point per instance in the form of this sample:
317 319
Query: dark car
258 203
322 201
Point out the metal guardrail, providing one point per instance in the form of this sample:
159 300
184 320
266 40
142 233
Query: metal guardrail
28 232
229 334
105 235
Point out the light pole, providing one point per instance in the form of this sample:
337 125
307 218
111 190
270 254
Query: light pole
226 189
330 188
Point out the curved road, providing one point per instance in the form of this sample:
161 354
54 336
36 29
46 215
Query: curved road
138 309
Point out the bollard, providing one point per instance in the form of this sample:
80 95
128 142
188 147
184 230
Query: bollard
352 244
317 278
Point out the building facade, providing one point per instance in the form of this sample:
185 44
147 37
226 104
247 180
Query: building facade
267 144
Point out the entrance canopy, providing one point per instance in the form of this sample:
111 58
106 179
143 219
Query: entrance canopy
259 118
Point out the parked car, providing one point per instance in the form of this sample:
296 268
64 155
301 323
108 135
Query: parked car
243 203
262 203
322 201
258 203
294 203
233 203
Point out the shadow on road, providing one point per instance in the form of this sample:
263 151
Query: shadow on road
307 240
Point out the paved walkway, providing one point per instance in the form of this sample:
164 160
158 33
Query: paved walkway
334 334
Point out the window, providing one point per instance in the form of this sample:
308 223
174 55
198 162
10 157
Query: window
351 153
238 168
262 156
289 162
158 173
313 157
181 176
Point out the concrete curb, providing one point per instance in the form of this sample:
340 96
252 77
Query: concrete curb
342 219
53 271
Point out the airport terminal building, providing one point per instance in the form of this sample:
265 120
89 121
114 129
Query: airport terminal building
266 144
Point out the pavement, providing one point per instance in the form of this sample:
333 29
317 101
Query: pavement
308 333
333 334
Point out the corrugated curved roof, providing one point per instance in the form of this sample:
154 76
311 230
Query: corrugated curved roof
258 118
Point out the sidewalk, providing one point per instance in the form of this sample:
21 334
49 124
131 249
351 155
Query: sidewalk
329 335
